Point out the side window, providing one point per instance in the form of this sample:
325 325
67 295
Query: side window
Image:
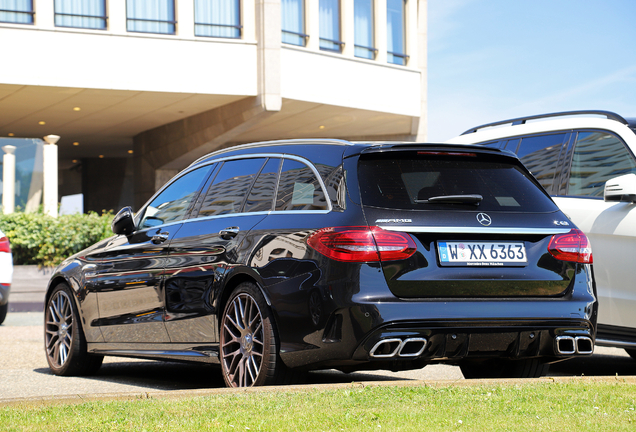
598 157
228 190
540 154
173 203
299 189
261 197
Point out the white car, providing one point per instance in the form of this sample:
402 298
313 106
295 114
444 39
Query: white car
6 273
585 160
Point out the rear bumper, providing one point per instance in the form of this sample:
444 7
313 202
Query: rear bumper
438 330
450 342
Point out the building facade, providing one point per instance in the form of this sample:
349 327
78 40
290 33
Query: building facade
138 89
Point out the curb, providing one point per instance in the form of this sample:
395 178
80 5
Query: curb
182 394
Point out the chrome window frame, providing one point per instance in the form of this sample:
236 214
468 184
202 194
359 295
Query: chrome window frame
235 157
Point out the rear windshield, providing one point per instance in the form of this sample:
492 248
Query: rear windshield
407 180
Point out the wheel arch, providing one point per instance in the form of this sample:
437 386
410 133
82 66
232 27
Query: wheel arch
234 280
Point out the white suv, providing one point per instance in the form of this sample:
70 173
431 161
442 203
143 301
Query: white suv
6 273
585 160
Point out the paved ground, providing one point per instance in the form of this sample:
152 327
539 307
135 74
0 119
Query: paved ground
24 371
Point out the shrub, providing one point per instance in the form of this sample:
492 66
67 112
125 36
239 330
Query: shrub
40 239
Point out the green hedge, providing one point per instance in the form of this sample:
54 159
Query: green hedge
40 239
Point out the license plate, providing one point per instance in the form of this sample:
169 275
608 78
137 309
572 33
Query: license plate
458 253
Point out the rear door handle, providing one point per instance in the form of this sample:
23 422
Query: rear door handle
160 237
229 233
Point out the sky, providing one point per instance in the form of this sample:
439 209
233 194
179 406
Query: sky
491 60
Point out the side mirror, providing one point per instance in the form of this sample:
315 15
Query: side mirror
621 188
124 222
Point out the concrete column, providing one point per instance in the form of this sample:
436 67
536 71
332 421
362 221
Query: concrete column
44 14
312 24
185 18
411 41
347 27
8 179
422 64
248 20
379 17
268 31
116 11
50 179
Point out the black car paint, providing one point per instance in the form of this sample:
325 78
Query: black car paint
324 318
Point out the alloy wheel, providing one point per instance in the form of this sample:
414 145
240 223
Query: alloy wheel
242 341
59 328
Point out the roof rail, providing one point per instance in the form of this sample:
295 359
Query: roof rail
522 120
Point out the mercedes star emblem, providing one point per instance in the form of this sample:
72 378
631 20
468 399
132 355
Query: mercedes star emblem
484 219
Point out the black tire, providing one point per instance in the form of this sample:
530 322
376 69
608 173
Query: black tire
64 340
3 312
631 352
249 341
500 368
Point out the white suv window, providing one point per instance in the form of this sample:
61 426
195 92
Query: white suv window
598 156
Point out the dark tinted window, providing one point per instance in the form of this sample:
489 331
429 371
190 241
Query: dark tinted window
400 181
540 154
261 197
598 157
227 192
299 189
173 202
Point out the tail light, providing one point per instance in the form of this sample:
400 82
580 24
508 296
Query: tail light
4 245
362 244
573 246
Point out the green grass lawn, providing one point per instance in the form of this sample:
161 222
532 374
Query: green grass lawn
532 406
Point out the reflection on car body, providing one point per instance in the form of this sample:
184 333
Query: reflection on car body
266 263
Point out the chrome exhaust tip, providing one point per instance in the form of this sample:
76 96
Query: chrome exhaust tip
412 347
565 345
386 348
584 345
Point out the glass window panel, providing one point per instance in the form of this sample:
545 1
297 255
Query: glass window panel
407 180
261 197
598 157
173 203
81 13
299 189
150 16
363 28
540 154
217 18
293 22
228 190
395 31
330 25
16 11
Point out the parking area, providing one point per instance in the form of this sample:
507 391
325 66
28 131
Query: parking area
25 372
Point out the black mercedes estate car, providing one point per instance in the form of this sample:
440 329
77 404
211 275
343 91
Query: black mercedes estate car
279 257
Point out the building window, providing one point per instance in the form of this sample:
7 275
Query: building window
395 31
81 13
363 29
293 22
217 18
16 11
330 25
151 16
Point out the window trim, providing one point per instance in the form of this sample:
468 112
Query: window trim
174 22
24 12
104 17
239 27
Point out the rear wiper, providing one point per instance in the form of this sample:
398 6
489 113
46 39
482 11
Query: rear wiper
453 199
